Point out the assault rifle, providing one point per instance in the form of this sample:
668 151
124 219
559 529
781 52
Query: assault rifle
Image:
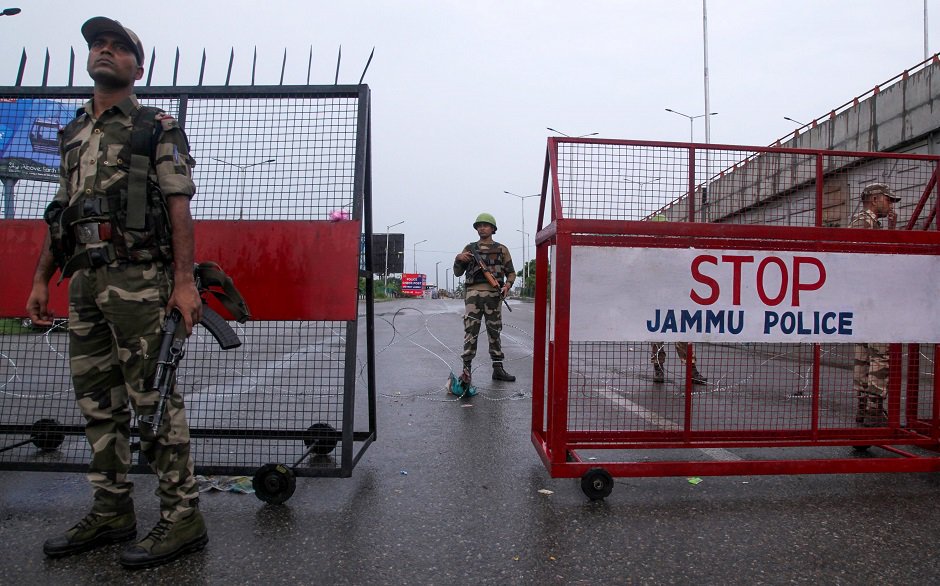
173 336
475 251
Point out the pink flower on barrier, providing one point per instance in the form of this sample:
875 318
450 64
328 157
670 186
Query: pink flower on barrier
338 215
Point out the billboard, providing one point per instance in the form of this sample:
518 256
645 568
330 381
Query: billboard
412 284
29 138
396 253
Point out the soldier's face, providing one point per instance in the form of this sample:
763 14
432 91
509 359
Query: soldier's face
112 62
484 230
883 205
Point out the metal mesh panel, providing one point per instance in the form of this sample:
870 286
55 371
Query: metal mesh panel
261 155
625 181
273 158
765 387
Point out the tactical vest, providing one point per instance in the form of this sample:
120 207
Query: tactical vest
493 258
130 215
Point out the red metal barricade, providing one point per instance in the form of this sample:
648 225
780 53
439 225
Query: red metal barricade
749 270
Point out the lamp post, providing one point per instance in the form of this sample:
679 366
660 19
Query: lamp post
242 172
640 183
446 278
15 11
436 275
385 277
691 121
568 135
525 267
414 253
794 121
522 199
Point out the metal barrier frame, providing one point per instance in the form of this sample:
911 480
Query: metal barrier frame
560 448
353 442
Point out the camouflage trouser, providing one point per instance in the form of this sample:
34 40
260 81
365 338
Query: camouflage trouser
115 314
482 305
870 374
658 352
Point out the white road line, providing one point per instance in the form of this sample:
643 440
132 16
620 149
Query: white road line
662 423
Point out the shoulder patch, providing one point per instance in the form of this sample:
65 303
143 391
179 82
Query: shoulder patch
168 122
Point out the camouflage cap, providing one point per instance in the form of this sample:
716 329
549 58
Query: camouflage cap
882 188
100 24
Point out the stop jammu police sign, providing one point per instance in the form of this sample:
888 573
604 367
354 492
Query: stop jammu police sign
692 295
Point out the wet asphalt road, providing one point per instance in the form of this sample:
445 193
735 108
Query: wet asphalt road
449 494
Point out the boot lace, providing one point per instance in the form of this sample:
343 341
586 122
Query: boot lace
160 530
86 522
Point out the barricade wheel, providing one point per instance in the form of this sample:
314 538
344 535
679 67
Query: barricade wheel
861 448
274 483
46 435
597 484
323 438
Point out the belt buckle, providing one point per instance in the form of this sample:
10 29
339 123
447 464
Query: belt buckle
87 233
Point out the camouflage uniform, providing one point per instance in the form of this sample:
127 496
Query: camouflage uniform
483 301
870 371
658 352
115 314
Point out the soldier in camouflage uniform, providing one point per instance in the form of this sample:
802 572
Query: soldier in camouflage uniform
483 300
870 374
129 255
658 349
658 359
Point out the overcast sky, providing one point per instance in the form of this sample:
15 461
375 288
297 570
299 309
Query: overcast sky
463 90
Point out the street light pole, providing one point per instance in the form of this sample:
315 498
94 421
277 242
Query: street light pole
15 11
568 135
385 277
446 278
242 171
414 254
525 267
436 281
691 121
522 199
794 121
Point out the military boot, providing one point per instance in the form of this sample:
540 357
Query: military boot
500 374
876 416
465 376
167 541
95 530
862 412
659 374
697 378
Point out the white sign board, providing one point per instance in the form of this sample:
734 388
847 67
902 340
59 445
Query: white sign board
672 295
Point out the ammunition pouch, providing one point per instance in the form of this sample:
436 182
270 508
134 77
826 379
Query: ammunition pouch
61 240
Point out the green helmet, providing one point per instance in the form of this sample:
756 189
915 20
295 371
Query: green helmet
485 219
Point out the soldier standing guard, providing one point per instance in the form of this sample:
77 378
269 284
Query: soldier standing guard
870 373
120 227
483 300
658 349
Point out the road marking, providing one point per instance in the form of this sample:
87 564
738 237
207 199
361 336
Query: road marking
663 423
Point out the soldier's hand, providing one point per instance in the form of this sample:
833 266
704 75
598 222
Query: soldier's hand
37 306
505 290
186 298
464 256
892 219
